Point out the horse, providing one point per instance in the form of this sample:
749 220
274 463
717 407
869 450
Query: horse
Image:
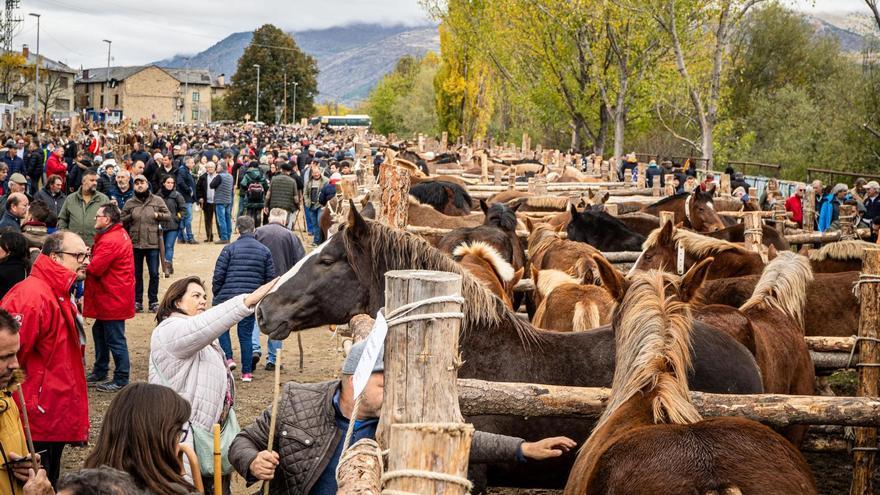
651 439
602 231
446 197
345 277
669 248
831 309
484 263
696 210
548 252
644 223
840 256
325 219
498 219
568 306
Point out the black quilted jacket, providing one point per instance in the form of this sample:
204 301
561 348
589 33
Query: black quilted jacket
306 438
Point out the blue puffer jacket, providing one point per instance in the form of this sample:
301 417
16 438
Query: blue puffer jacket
242 267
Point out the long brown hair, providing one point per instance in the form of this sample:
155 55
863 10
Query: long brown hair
172 296
140 433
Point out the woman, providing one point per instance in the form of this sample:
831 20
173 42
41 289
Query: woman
141 435
176 207
185 356
14 260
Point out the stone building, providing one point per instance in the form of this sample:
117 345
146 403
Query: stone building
56 88
149 92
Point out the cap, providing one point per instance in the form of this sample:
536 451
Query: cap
872 185
140 177
10 142
18 178
354 356
98 159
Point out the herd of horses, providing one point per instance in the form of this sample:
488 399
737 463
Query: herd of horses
697 311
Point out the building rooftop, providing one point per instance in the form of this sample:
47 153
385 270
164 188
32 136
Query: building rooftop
47 63
185 76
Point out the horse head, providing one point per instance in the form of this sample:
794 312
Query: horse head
500 215
662 252
700 212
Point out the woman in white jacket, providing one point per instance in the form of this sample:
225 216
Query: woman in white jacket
186 356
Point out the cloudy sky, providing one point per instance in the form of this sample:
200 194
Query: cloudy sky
142 32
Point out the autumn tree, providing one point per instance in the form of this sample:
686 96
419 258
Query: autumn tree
15 75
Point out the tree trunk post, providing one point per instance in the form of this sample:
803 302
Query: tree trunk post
753 197
869 373
531 185
753 233
725 185
655 187
359 473
640 179
670 187
511 178
809 209
779 216
541 187
847 219
496 172
444 142
394 182
484 167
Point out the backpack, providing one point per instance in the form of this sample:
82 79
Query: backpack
255 192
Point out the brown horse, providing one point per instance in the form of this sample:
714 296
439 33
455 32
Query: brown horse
696 210
569 306
676 250
486 265
831 310
840 256
548 251
651 439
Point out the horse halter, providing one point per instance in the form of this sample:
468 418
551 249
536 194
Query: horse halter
679 259
687 210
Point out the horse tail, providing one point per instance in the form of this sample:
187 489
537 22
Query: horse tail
586 316
503 270
783 286
652 334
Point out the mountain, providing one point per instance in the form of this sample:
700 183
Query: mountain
351 59
850 30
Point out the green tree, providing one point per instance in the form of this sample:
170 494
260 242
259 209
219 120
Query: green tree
276 53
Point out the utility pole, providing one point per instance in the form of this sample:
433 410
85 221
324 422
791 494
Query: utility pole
185 90
37 79
109 43
285 96
295 84
257 112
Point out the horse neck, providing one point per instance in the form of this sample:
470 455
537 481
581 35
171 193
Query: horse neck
736 264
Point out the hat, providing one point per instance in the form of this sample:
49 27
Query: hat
109 162
872 185
10 143
739 190
354 356
335 177
312 149
738 176
17 178
98 159
140 177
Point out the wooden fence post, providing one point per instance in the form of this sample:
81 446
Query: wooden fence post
497 175
725 185
753 233
779 216
655 187
753 198
511 177
394 182
531 185
809 209
484 168
444 142
869 372
847 219
670 187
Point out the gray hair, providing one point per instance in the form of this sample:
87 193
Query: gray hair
244 224
838 188
278 215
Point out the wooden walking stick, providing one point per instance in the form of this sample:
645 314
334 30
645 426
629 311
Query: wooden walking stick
218 466
299 341
27 430
274 419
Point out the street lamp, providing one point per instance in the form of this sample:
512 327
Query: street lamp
257 112
295 84
107 117
37 80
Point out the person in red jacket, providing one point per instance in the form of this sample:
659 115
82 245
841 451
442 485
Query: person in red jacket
51 349
55 165
795 204
109 298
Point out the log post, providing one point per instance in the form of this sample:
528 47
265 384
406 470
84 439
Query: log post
525 143
670 187
640 179
497 175
484 168
725 185
753 231
394 182
869 373
779 216
432 447
541 187
444 142
655 187
531 185
511 177
611 209
847 219
809 209
753 198
359 474
667 216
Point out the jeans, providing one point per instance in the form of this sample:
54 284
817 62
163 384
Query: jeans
152 258
224 220
291 219
274 345
208 208
50 459
109 338
312 215
170 237
244 330
257 215
186 226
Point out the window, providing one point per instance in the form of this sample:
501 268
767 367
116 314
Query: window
102 102
195 114
195 96
115 100
62 104
62 82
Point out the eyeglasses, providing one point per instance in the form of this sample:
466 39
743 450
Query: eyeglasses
183 435
80 257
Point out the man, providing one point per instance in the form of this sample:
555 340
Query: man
794 204
321 412
286 251
284 194
122 190
830 212
109 298
137 168
102 480
12 160
33 164
107 176
186 186
223 185
872 201
138 153
205 195
311 199
241 268
142 216
55 164
17 184
53 194
16 210
166 168
80 208
51 352
739 180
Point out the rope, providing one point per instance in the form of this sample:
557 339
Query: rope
852 352
753 232
864 278
428 475
372 449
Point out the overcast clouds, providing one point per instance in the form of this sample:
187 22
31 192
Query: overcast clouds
72 30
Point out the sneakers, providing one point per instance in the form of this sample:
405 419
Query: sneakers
110 387
221 241
255 359
154 307
230 363
270 366
192 241
93 379
138 308
247 377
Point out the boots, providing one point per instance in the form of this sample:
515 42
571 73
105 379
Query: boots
169 269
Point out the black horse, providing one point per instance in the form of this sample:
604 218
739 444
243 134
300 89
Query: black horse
602 231
446 197
347 278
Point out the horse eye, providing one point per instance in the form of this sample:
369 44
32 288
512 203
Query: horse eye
326 261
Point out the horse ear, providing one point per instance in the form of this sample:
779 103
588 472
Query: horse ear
693 280
517 276
574 213
516 206
529 225
772 253
612 280
484 207
356 223
666 234
604 198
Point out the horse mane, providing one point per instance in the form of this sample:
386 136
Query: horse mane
608 220
434 193
541 236
554 202
548 280
403 251
506 217
488 253
841 250
669 199
652 336
783 286
696 244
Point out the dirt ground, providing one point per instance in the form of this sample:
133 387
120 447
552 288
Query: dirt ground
322 360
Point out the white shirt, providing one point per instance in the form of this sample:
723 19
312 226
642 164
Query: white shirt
210 194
